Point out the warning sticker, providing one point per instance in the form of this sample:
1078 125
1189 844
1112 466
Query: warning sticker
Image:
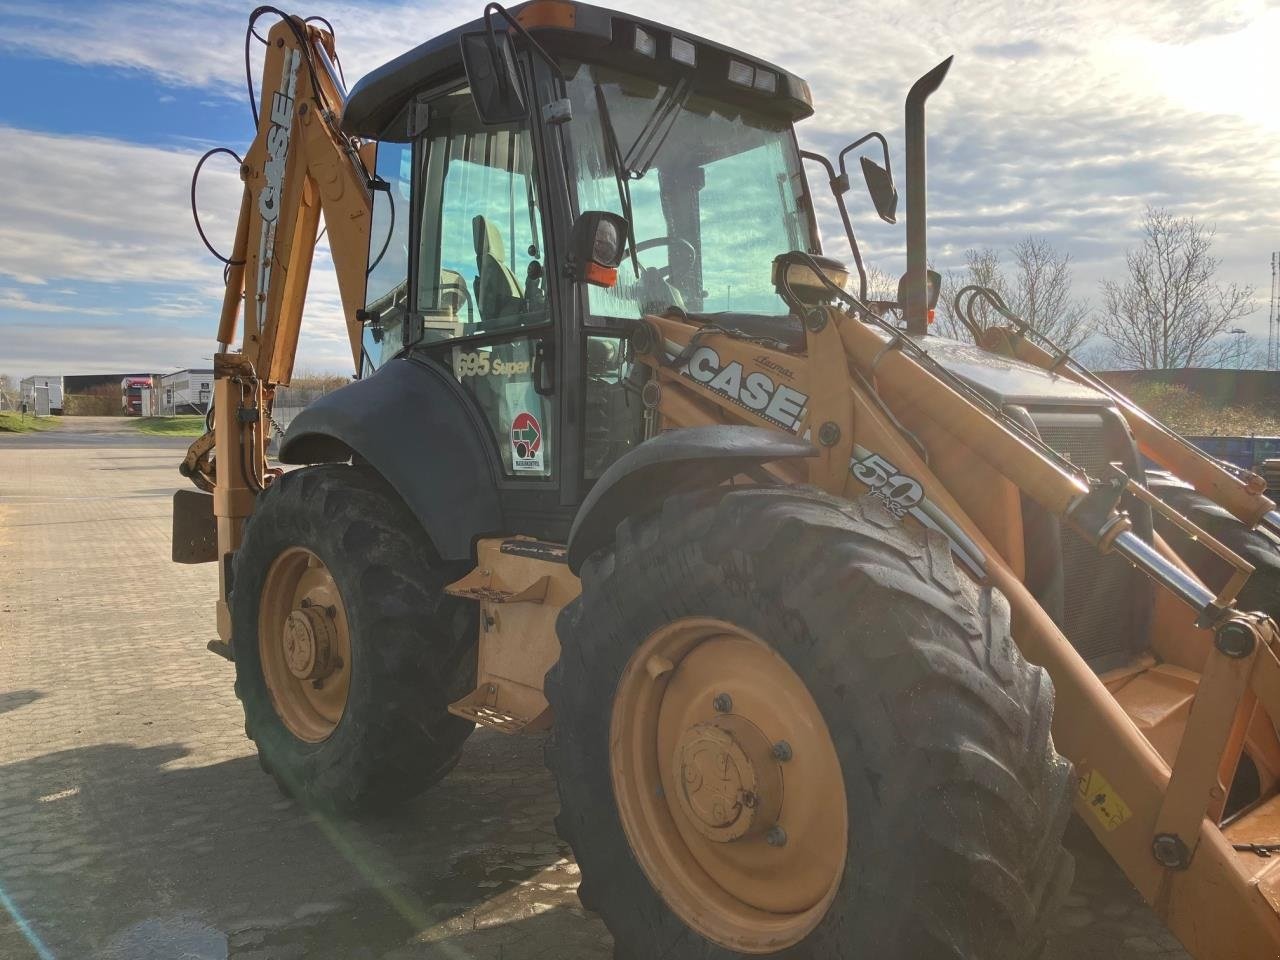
526 443
1103 800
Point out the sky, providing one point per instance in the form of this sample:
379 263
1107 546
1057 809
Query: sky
1060 120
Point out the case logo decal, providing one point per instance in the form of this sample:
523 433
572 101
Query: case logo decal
526 443
756 391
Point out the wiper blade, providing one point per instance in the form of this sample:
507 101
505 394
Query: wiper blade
619 174
656 129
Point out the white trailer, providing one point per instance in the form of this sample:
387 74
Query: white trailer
42 392
187 391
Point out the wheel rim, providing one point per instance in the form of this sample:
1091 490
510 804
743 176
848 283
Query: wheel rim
728 785
304 644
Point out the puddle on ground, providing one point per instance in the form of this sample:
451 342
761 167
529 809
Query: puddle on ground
167 938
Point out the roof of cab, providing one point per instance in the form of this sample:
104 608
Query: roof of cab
379 98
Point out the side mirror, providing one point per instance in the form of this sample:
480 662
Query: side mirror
884 194
934 281
491 73
596 246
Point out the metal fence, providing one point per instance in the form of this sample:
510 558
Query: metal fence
291 400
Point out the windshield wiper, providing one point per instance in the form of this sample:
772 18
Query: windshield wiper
656 129
619 174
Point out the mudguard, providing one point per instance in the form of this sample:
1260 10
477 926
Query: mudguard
672 462
414 425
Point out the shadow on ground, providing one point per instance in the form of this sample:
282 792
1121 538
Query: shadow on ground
18 698
127 853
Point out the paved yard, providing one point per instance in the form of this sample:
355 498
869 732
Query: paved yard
136 825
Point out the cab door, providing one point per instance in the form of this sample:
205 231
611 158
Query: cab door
480 297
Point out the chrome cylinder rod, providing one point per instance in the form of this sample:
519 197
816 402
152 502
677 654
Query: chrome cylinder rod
1271 519
1151 562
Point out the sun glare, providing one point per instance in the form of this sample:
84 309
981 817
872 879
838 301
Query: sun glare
1227 73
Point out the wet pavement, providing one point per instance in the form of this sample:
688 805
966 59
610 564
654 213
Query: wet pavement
135 823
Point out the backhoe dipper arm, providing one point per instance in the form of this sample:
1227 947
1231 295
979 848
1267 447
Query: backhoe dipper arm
300 165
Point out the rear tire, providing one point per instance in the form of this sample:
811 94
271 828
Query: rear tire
956 798
1261 592
412 647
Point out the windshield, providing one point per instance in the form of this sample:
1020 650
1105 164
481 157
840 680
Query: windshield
716 193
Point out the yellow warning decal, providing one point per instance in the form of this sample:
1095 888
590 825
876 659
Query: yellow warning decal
1102 799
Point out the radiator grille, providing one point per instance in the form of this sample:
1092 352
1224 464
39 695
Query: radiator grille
1098 591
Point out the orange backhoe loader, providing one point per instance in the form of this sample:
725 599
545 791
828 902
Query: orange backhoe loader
832 621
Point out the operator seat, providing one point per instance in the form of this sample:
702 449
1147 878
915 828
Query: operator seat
498 294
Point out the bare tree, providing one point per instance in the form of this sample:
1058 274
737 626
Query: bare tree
1171 311
1042 293
982 268
1037 288
880 285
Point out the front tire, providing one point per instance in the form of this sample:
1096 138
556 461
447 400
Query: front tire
347 650
952 794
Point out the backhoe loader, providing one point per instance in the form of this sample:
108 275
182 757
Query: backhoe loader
829 622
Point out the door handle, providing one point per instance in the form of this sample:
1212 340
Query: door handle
544 374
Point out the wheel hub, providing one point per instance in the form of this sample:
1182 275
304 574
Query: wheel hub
708 721
309 638
304 644
730 786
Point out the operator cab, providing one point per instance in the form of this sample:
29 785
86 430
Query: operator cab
690 142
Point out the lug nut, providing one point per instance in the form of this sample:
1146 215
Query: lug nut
782 751
776 837
723 703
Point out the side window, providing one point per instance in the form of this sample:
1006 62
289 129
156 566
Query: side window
480 265
387 284
480 274
614 421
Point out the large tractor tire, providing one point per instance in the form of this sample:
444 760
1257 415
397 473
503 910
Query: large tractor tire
347 651
785 725
1261 593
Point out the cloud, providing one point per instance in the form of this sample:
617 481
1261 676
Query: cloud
113 220
1066 124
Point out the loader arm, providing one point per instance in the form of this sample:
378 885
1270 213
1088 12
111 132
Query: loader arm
299 166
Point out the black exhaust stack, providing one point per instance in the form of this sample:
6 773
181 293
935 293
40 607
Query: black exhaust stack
916 308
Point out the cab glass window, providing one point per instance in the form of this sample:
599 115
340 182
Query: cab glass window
387 285
480 262
716 193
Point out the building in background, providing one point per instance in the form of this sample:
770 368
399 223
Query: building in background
186 391
42 395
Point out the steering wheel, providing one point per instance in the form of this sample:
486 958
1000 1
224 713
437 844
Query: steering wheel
669 242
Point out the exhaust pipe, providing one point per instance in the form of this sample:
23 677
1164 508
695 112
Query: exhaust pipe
916 308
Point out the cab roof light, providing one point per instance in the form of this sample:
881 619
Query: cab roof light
766 81
548 13
741 73
646 43
684 51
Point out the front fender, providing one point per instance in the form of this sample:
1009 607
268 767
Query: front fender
415 425
675 461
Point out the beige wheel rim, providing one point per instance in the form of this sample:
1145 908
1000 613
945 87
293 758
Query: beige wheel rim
728 785
304 644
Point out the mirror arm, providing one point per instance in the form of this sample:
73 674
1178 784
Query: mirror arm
515 25
884 148
839 184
